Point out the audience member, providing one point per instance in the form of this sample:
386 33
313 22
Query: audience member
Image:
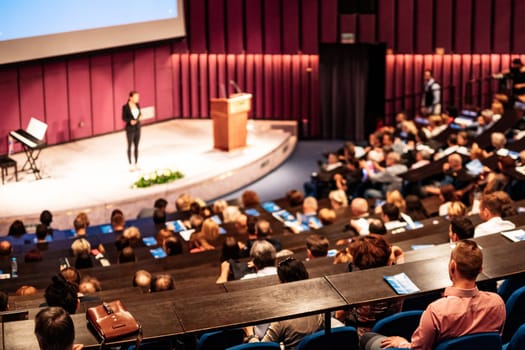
80 246
385 179
210 231
219 206
231 213
62 293
389 213
6 249
4 301
316 246
54 330
162 283
294 198
263 256
127 255
327 216
132 234
415 208
474 311
117 222
250 199
460 228
241 224
457 208
310 206
89 285
17 229
159 219
81 224
41 237
33 255
338 199
396 198
172 246
46 218
142 279
160 204
376 226
447 194
491 209
25 290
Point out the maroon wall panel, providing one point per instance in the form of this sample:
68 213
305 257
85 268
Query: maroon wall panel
444 24
102 95
309 26
463 26
166 105
231 61
203 86
234 26
222 79
240 72
348 24
216 29
56 102
213 84
259 86
197 25
79 93
194 85
277 87
315 108
31 95
272 26
268 86
145 77
123 83
287 86
502 26
482 26
8 105
405 26
250 79
367 29
185 85
328 21
254 42
296 87
424 22
386 23
518 44
290 29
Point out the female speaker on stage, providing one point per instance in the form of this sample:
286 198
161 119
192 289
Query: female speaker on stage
131 115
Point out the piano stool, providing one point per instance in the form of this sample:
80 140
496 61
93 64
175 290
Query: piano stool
5 164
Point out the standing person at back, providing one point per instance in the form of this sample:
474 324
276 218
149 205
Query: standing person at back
431 100
462 310
131 115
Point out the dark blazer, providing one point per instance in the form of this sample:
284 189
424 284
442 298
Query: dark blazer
127 116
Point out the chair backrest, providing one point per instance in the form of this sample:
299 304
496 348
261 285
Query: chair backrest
402 324
517 342
256 346
339 338
485 341
515 313
510 285
17 315
220 340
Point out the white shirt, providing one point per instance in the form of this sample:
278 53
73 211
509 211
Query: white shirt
267 271
494 225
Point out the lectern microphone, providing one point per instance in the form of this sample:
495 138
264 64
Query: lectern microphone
237 88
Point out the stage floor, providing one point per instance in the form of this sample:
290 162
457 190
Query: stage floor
93 175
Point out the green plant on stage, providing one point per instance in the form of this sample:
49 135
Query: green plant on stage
157 177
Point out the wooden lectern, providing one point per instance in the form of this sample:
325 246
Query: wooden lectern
230 116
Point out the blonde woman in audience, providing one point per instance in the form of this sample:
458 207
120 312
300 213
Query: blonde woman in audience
457 209
132 234
80 246
210 230
183 202
327 216
396 198
219 206
230 214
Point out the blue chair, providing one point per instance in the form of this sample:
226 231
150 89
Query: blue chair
256 346
220 340
517 342
402 324
485 341
339 338
515 314
510 285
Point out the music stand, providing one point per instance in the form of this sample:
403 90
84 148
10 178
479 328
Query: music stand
11 316
37 129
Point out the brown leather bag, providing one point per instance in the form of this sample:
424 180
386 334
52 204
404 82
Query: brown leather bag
111 321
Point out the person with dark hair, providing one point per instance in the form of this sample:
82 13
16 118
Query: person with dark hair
4 301
17 229
250 199
81 224
376 226
230 249
316 246
462 310
83 261
41 235
263 255
491 208
131 115
389 212
172 245
414 208
288 332
54 330
159 203
159 219
162 283
460 228
46 218
118 222
62 293
431 99
295 198
370 252
126 255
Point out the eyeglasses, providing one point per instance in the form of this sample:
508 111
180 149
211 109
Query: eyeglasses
286 261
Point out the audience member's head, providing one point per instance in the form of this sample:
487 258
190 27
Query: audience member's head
41 232
316 246
25 290
251 226
495 182
338 199
161 204
126 255
370 251
183 202
507 207
79 246
210 230
327 216
455 162
230 249
219 206
62 293
291 270
249 199
46 218
6 249
490 206
159 217
294 198
54 329
121 242
359 207
376 226
163 235
396 198
81 223
172 246
498 140
4 301
389 212
456 209
263 229
17 229
415 208
263 254
460 228
310 206
196 222
241 224
142 279
231 213
466 261
448 193
132 234
117 220
163 282
71 275
33 255
83 261
89 285
392 158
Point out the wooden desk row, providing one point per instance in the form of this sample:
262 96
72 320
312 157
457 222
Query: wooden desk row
171 315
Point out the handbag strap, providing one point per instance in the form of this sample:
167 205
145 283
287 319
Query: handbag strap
138 340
